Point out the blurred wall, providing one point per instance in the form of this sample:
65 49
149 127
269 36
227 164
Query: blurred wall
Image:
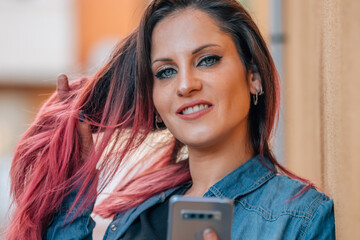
106 21
37 40
322 113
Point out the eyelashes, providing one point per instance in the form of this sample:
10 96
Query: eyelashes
204 62
209 61
165 73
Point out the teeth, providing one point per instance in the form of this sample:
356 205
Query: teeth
196 108
193 109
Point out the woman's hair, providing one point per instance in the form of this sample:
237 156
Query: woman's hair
117 102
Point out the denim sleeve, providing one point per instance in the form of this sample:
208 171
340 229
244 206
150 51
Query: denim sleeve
64 226
322 224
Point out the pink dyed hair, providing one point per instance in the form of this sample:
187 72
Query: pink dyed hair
47 164
117 102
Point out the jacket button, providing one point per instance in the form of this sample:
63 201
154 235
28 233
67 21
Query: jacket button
113 227
162 197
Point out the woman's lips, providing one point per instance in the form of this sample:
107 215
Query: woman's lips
194 109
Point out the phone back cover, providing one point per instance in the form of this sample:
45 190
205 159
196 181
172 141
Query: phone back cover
181 225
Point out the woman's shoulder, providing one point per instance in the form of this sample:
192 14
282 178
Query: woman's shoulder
282 195
282 189
281 205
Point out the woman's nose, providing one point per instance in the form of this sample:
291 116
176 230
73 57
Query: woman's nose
189 84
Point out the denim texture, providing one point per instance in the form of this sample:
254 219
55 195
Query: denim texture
262 208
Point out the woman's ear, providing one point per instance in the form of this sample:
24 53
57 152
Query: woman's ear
254 81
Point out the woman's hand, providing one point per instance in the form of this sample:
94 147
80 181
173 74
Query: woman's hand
210 234
84 128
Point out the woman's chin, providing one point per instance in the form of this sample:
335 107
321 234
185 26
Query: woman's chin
199 141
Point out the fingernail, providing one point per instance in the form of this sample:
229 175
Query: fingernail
61 75
208 231
81 117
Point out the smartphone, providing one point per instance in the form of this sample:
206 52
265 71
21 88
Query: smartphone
190 216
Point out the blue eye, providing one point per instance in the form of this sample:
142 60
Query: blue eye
209 61
166 73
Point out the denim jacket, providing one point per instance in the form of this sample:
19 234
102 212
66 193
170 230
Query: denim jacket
262 209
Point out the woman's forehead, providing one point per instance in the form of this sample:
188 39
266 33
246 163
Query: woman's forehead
186 30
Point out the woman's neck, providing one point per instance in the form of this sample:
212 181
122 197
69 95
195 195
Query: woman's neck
210 165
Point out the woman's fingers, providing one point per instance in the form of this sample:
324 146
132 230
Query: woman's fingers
62 86
86 138
63 89
210 234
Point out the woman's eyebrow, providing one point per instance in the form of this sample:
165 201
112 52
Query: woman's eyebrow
205 46
193 52
162 60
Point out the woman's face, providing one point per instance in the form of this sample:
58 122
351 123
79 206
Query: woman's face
201 89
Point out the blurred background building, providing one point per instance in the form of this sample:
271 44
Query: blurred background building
315 45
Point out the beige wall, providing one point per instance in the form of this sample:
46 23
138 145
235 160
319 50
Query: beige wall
18 108
322 112
260 12
105 19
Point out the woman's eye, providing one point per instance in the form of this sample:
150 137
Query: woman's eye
208 61
166 73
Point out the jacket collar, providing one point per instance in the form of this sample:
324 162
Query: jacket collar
245 179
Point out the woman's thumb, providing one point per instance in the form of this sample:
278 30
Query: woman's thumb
210 234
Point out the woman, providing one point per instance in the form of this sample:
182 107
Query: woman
199 68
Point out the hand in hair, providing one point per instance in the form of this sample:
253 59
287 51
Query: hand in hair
63 89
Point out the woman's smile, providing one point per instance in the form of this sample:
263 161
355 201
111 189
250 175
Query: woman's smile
195 109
